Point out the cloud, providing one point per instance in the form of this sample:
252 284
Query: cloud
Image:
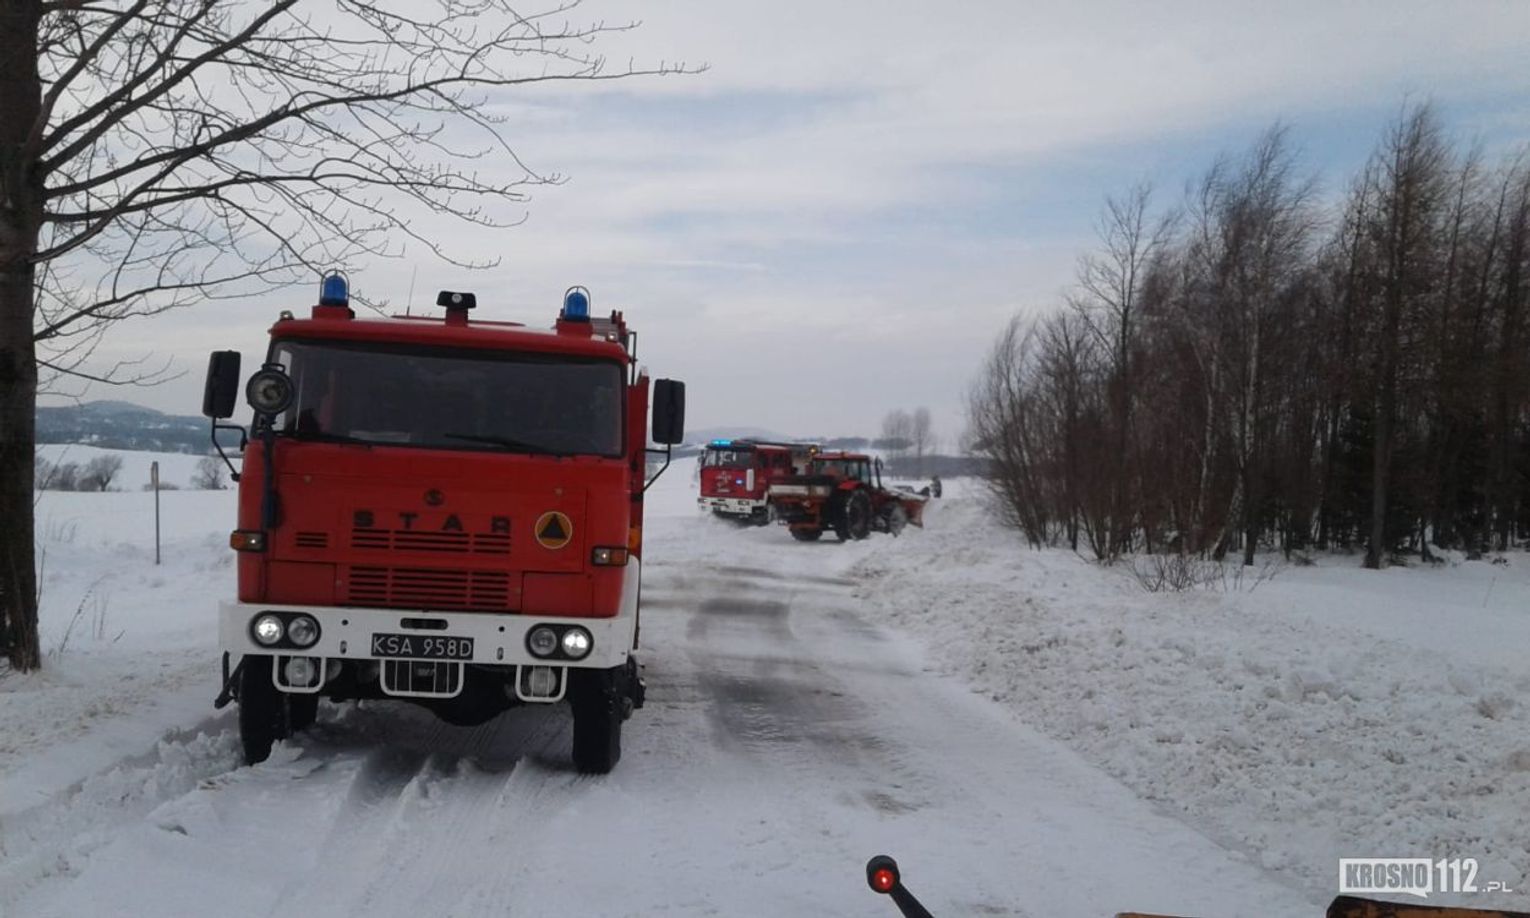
837 216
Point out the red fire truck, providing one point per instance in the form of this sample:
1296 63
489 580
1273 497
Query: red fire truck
440 510
736 474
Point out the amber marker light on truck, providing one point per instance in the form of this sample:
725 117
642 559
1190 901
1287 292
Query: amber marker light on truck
609 557
247 540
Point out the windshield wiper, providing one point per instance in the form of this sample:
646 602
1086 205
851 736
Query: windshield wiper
317 436
508 443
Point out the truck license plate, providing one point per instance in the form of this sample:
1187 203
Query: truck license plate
421 647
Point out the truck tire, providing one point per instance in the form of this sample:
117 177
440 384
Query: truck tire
598 699
853 521
807 535
264 715
302 711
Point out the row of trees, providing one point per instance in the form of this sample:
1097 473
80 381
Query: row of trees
1259 368
95 475
907 438
99 473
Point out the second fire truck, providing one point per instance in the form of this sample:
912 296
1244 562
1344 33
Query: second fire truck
736 475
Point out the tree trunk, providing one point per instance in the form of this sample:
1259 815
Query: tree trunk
20 217
1381 464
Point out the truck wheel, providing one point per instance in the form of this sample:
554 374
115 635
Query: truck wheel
855 517
263 714
302 711
599 704
807 535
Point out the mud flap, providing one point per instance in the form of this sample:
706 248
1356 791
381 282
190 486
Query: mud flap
637 689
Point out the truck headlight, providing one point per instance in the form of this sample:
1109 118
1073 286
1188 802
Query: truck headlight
576 643
542 641
267 629
303 631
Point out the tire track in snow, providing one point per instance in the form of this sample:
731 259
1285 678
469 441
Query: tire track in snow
413 833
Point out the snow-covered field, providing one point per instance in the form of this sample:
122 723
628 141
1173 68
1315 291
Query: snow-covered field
175 469
1027 733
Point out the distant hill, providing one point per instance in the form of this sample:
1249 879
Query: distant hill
122 425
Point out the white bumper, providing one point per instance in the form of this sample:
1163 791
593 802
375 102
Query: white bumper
345 633
739 506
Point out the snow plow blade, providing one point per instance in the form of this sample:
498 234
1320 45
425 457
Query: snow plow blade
1353 907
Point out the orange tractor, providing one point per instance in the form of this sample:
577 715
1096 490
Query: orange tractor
843 492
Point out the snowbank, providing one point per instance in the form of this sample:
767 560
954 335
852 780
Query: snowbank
123 638
1329 712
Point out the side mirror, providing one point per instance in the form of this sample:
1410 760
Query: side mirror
222 386
668 411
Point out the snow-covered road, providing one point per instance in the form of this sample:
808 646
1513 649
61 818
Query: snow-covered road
786 739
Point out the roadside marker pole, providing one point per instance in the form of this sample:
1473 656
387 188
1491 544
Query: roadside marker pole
154 477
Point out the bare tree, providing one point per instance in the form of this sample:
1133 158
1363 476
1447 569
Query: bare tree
211 474
897 433
1110 283
1409 177
160 153
64 477
1261 386
42 471
921 437
99 472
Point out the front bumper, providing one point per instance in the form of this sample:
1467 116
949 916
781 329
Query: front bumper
499 639
738 506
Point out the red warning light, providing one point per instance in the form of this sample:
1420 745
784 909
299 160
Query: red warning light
883 880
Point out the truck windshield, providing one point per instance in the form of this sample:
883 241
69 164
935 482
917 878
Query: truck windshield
452 398
729 458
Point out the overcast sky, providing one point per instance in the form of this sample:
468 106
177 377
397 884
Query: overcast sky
836 218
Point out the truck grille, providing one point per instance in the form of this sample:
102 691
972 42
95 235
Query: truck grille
312 540
481 543
427 588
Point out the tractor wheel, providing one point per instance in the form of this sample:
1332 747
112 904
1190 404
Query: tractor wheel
897 519
807 535
854 518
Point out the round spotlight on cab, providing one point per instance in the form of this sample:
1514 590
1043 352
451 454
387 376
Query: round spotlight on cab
577 643
267 629
542 641
303 631
269 391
